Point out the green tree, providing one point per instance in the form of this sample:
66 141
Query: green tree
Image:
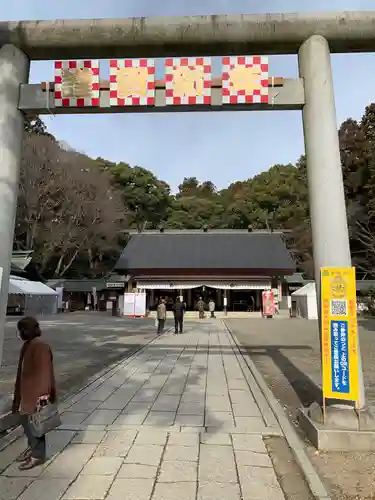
299 240
358 161
207 189
275 199
270 200
195 205
145 197
190 212
353 146
368 128
189 187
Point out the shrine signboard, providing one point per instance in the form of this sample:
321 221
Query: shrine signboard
188 81
77 83
245 79
339 334
132 82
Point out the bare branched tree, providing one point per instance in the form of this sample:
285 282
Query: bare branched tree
364 254
68 208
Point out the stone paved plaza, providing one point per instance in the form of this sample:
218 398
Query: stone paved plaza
98 339
181 420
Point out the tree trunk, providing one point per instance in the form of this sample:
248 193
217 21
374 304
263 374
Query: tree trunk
91 259
69 264
58 267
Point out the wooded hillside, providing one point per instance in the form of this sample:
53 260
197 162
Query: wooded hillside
73 210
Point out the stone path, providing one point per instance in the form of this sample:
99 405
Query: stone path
181 420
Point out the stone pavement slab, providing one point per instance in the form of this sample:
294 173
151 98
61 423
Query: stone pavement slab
180 491
138 471
215 491
12 487
178 471
45 489
177 421
89 488
131 489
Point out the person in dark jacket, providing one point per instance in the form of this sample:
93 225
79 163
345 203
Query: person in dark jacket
178 311
35 386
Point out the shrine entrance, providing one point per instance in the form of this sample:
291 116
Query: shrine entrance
245 84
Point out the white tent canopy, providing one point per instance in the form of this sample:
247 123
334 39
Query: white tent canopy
305 299
306 290
22 286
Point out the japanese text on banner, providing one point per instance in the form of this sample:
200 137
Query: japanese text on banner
339 334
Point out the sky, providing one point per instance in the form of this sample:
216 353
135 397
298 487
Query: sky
220 146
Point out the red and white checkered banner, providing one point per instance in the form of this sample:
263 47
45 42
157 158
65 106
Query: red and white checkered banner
188 80
132 82
77 83
245 79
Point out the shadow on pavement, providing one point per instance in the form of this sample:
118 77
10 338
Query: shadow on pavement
367 323
306 390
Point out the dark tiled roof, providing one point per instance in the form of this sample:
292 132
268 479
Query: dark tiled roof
205 251
296 278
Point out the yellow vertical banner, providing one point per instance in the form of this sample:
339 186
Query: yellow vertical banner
339 333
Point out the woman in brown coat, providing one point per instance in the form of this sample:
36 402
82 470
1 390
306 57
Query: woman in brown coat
35 384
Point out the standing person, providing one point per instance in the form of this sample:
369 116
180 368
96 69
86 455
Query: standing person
178 311
35 386
161 315
211 307
200 306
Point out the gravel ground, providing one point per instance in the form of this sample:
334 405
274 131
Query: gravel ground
287 471
82 343
287 354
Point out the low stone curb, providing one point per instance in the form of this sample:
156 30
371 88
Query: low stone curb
313 480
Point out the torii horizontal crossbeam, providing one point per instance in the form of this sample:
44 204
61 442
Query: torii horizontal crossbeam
189 36
35 100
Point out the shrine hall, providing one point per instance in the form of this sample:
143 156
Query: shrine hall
232 267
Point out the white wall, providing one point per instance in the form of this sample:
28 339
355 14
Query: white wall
306 306
312 307
302 309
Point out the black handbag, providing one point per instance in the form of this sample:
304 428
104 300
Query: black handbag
45 419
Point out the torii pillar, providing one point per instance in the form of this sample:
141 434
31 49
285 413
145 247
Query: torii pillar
14 70
326 190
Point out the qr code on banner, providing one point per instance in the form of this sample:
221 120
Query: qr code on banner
339 308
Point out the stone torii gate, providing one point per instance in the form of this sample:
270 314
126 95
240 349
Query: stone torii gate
312 36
